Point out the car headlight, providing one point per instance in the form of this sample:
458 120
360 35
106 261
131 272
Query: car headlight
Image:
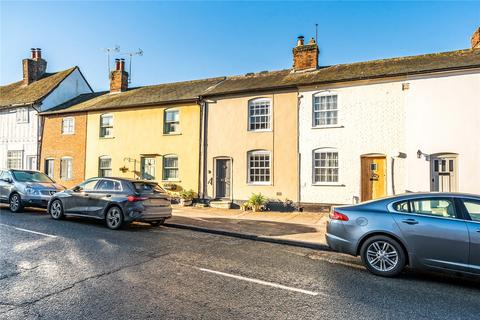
32 191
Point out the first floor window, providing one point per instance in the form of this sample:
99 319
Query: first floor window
66 168
259 167
106 125
172 122
49 167
148 168
170 168
325 166
259 114
68 125
14 159
325 110
105 167
22 115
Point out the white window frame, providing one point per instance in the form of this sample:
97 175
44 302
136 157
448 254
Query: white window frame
252 153
326 167
102 169
22 115
68 174
167 123
18 158
325 94
259 102
164 168
70 129
46 168
29 159
152 167
102 127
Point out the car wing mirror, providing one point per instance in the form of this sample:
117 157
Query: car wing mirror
77 189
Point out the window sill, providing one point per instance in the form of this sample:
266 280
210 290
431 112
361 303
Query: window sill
68 134
261 130
327 184
173 134
168 181
259 184
110 137
328 126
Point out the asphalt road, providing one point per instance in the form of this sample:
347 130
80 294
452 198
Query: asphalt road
76 269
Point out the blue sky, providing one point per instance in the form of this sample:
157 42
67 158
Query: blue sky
192 40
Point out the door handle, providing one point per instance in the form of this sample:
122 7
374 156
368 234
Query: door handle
108 195
478 230
410 221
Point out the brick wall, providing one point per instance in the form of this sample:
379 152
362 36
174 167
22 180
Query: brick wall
476 39
305 57
56 145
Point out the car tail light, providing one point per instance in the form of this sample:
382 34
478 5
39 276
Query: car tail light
335 215
135 198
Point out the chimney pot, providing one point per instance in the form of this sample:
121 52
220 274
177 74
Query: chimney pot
117 64
300 41
38 56
34 52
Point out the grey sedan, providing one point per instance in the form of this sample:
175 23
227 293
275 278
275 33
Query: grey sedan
26 188
437 231
114 200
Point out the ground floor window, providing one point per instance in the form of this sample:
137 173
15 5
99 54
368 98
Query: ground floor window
66 168
49 167
14 159
325 166
170 167
259 167
148 168
105 166
32 162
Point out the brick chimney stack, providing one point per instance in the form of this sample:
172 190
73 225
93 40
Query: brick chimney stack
119 77
476 39
34 68
305 56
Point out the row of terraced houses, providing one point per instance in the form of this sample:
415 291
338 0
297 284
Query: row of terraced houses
315 135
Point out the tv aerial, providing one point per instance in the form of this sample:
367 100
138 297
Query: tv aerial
109 51
139 53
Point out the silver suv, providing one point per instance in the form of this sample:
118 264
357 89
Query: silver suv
26 188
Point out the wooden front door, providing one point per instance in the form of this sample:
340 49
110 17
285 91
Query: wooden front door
374 182
222 178
443 173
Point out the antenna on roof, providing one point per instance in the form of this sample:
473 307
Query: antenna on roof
108 51
139 52
316 33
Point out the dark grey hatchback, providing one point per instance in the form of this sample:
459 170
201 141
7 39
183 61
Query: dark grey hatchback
114 200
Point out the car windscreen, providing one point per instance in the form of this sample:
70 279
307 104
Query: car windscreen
147 187
30 176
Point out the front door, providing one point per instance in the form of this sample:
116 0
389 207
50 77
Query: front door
443 173
222 178
374 182
148 168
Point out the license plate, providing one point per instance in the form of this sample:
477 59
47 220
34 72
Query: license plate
157 202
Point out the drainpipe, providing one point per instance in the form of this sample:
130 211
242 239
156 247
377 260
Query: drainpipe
40 123
299 156
202 147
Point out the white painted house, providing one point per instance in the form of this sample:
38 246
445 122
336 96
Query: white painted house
385 127
20 103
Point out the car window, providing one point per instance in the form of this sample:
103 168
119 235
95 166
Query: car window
108 185
145 187
473 209
31 176
88 185
433 207
401 206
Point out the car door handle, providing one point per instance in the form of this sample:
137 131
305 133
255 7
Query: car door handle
410 221
478 230
108 195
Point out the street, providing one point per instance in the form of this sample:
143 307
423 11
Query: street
79 269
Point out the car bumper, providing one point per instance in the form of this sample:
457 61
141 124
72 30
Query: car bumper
35 201
150 215
337 240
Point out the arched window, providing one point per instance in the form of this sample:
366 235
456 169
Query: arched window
324 109
259 167
106 125
325 166
104 166
259 114
170 167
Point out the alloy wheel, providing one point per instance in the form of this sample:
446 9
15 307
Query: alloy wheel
382 256
14 202
56 209
114 218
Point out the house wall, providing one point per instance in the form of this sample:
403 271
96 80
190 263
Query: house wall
69 88
18 136
370 121
56 145
228 136
140 131
443 116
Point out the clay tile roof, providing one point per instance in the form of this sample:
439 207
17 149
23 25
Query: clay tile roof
19 94
147 95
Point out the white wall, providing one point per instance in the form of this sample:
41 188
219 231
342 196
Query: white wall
69 88
372 121
443 115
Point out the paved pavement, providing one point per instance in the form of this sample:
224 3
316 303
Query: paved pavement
77 269
295 228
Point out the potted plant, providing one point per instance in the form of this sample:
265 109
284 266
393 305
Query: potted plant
186 197
257 202
170 186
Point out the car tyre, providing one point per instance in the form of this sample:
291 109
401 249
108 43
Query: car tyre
114 218
157 223
383 256
56 210
15 203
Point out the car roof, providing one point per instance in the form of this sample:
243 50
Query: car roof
124 179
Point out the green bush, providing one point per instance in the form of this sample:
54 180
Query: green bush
256 202
187 194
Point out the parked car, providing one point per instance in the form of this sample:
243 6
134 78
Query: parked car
115 200
26 188
438 231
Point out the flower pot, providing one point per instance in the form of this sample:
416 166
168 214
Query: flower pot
186 202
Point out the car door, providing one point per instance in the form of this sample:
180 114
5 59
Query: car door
434 232
101 196
471 208
79 199
6 184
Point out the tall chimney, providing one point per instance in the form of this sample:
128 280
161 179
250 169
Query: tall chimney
475 41
119 77
34 68
305 56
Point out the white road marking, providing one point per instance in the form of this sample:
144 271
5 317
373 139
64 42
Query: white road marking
29 231
265 283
